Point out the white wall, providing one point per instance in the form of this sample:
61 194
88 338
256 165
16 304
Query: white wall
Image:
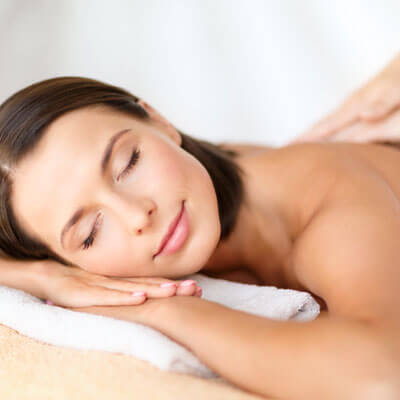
223 70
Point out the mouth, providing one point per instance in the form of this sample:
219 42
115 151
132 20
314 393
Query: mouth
176 235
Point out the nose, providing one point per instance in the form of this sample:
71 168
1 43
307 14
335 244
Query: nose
143 220
135 213
138 221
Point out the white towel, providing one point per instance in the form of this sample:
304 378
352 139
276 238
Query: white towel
59 326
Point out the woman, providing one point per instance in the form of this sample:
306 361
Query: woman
95 178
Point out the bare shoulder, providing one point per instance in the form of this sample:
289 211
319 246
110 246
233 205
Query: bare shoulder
349 253
347 248
309 152
245 149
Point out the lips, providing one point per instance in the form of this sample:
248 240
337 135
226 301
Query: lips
171 230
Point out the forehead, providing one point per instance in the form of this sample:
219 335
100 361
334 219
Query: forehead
50 178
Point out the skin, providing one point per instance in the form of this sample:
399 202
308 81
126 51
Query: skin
307 202
356 118
346 251
64 167
258 251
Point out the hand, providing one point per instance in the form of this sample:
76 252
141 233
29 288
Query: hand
386 130
69 286
368 105
156 313
142 314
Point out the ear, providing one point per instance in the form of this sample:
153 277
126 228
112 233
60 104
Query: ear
155 116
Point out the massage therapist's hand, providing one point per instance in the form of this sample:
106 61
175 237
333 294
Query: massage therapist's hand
385 130
69 286
364 111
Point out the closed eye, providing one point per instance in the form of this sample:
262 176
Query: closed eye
90 239
134 158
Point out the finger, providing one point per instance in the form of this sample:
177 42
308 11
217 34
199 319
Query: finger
328 126
186 288
182 287
359 132
364 132
378 110
146 279
356 132
334 123
164 289
381 134
151 279
98 296
127 282
154 280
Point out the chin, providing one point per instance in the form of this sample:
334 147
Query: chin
205 256
185 271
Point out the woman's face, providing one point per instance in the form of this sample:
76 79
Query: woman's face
63 174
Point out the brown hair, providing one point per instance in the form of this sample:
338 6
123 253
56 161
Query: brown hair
23 119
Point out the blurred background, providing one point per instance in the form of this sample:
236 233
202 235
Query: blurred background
254 71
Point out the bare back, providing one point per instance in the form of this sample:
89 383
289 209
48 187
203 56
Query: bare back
347 253
339 176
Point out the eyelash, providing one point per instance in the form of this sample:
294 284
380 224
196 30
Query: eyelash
134 157
90 239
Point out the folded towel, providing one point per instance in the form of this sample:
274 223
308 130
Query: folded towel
59 326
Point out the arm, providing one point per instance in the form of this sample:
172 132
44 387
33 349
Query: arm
348 255
22 275
72 286
328 358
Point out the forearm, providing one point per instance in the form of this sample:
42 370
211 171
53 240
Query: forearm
325 358
23 275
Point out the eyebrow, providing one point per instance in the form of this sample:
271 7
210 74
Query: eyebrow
104 164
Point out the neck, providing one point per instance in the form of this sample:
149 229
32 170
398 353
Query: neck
262 239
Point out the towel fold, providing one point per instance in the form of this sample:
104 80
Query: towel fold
59 326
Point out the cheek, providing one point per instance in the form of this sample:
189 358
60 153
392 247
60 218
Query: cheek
177 172
159 171
198 179
110 254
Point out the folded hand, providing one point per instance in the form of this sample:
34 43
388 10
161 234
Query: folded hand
69 286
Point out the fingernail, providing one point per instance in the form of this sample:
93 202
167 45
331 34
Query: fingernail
188 283
168 284
138 293
49 302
